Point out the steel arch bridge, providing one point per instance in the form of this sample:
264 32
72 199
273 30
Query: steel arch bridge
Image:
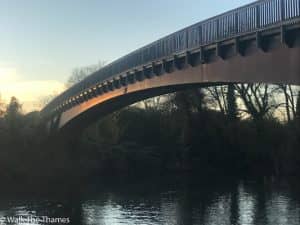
259 42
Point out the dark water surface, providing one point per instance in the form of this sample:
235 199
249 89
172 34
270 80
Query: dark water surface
165 200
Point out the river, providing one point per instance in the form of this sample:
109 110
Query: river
183 200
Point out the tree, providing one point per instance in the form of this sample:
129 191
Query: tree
44 100
298 107
258 99
290 102
13 113
232 110
187 103
223 98
2 107
152 103
217 98
78 74
190 100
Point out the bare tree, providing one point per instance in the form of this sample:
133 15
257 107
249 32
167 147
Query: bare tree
232 109
223 98
78 74
217 98
298 106
152 103
258 99
44 100
290 100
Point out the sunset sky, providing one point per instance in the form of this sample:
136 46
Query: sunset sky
42 41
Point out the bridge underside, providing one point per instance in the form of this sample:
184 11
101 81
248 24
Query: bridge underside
268 58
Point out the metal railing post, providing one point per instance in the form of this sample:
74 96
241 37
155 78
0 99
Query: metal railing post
257 11
236 24
282 10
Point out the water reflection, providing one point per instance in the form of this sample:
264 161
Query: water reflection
167 202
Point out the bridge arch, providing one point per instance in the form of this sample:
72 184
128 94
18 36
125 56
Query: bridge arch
245 45
280 66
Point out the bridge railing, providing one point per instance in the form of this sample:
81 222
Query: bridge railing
250 18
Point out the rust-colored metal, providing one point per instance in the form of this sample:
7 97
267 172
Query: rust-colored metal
280 65
253 43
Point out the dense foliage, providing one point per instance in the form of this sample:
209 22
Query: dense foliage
233 129
183 134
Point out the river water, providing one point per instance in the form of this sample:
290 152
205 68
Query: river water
183 200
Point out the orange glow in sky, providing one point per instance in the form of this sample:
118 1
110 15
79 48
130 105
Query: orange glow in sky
29 92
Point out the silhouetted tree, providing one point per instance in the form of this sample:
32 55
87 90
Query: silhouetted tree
290 102
298 107
258 99
105 130
78 74
152 103
2 107
190 101
187 103
217 98
182 102
13 113
231 103
43 101
199 99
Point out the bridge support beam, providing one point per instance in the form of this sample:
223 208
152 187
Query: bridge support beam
168 66
202 56
238 48
158 68
131 77
116 82
139 75
105 87
260 43
148 72
111 85
100 89
219 52
124 80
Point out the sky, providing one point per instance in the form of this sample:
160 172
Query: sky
42 41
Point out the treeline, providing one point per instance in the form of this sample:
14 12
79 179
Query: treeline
233 128
27 154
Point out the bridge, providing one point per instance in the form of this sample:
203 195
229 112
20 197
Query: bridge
259 42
